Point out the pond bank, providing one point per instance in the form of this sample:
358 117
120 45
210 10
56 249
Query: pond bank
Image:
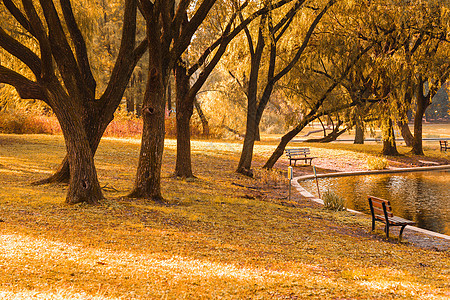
419 237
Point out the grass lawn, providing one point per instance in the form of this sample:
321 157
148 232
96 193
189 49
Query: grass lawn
223 236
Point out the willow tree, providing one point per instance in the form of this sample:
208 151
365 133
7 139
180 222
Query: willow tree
269 35
415 60
335 75
170 26
210 55
56 70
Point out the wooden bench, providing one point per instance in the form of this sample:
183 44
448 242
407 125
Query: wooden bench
444 145
299 154
381 211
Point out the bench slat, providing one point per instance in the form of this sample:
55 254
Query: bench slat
299 154
380 212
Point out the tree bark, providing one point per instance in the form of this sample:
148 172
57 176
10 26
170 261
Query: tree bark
406 132
148 176
359 133
389 146
359 127
422 103
101 112
83 184
202 117
183 167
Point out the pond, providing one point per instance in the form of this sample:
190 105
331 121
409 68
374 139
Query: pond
420 196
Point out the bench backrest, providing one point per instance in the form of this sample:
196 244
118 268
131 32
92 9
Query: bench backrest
443 143
297 151
377 206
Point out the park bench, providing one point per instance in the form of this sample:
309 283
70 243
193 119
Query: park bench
444 145
299 154
381 211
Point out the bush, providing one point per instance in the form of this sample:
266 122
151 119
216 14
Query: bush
271 177
332 201
21 122
377 163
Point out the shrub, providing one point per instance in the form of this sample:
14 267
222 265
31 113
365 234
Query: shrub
377 163
271 177
124 125
22 122
332 201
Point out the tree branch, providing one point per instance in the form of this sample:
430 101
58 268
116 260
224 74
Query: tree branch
18 50
41 35
80 46
19 16
26 88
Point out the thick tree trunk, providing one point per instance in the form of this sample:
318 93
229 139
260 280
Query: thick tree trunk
183 167
359 132
83 184
285 139
389 146
202 117
406 132
148 176
422 103
245 162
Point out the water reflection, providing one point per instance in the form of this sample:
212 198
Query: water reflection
422 196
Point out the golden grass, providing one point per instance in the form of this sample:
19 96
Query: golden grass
217 240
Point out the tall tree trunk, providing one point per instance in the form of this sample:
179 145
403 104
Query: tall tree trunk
404 108
148 176
422 103
202 117
245 162
389 146
359 133
406 132
101 112
183 167
83 184
359 127
285 139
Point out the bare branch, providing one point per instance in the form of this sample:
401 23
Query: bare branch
26 88
18 50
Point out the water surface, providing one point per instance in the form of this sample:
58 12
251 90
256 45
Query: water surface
420 196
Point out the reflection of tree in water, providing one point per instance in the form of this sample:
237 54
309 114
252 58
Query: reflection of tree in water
415 196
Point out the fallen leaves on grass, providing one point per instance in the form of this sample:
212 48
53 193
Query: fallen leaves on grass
214 240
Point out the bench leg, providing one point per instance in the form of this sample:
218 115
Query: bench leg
373 224
400 235
386 229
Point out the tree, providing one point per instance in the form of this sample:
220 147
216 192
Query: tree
275 31
187 88
63 79
169 30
